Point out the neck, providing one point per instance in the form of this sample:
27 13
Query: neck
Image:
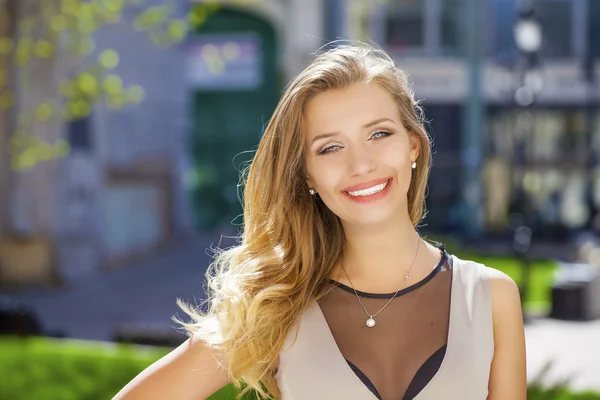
377 258
381 252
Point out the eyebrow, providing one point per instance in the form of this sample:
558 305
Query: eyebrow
368 125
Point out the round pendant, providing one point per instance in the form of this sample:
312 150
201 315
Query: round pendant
370 322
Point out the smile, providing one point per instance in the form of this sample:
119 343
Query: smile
369 191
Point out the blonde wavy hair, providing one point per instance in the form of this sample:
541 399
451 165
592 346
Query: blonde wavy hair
258 289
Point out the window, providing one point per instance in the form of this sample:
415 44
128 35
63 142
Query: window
556 18
444 189
594 28
543 136
538 152
502 14
405 25
79 135
452 17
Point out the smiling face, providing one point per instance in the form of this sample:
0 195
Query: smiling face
358 153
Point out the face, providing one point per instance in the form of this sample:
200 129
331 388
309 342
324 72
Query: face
358 154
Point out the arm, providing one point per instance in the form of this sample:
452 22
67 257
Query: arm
190 372
508 376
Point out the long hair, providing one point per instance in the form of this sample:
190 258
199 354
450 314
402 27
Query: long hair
258 289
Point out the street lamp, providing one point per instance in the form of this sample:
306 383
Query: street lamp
529 38
528 31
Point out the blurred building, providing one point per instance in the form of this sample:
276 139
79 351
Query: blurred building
140 177
539 151
117 195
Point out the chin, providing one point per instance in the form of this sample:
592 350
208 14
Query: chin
371 219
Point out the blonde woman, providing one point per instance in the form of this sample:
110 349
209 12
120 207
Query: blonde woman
331 292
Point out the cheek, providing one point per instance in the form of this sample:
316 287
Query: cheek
397 157
327 179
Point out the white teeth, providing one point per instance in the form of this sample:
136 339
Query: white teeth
369 191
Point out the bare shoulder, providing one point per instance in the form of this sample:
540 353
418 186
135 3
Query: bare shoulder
504 292
506 298
191 371
508 370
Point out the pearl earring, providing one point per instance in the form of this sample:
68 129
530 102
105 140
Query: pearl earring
312 191
414 165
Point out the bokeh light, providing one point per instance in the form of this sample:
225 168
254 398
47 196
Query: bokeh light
43 49
6 46
59 23
134 94
178 29
7 99
198 15
68 88
86 45
115 101
44 111
231 51
109 58
114 6
112 84
79 108
88 84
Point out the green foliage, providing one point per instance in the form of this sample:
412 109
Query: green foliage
63 370
51 29
557 391
50 369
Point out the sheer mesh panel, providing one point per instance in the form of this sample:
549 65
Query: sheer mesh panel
401 354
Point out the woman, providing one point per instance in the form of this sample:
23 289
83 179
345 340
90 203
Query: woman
332 293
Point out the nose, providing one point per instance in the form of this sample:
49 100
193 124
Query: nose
360 161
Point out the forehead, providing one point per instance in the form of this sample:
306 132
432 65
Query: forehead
353 106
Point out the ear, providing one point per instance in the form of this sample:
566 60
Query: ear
415 146
309 182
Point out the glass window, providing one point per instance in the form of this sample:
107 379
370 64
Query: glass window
542 135
575 212
79 134
596 149
594 27
452 18
405 25
502 15
541 150
556 18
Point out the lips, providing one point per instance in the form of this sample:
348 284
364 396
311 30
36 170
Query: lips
366 185
374 191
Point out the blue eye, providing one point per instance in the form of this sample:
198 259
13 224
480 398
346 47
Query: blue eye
329 149
381 134
376 136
